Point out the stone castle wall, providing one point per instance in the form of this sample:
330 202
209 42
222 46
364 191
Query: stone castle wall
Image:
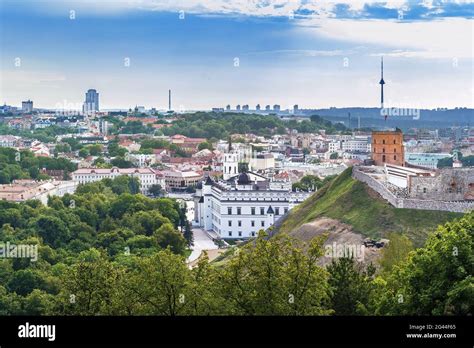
410 203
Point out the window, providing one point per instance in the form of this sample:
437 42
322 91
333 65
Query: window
230 233
263 223
375 141
395 150
239 223
383 141
253 234
286 210
424 190
230 223
240 233
277 211
395 157
383 158
229 211
252 223
239 211
253 210
383 150
262 211
374 149
394 141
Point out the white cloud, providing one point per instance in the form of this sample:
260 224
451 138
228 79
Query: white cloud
446 38
441 38
319 9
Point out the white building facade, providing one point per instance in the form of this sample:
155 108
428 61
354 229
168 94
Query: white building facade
357 144
146 176
243 205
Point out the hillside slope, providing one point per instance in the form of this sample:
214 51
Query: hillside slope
354 203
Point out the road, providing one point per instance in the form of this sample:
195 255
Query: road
201 242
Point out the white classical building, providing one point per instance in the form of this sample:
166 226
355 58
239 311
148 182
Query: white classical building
146 176
244 204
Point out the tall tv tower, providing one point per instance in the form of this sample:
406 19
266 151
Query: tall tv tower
382 82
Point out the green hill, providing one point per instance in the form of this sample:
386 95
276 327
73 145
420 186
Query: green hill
354 203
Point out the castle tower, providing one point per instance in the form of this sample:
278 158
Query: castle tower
387 148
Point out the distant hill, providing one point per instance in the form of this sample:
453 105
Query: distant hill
371 117
353 203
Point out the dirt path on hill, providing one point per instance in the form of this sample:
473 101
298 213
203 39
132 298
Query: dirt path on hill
342 240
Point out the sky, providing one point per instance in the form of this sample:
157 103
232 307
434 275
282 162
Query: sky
216 52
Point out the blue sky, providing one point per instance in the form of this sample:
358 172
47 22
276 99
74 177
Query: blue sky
315 54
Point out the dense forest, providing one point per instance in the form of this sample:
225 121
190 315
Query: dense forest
213 125
107 250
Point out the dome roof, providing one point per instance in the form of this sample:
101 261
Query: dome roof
244 179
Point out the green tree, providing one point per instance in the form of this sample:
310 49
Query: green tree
205 145
95 149
52 230
351 286
84 152
159 284
145 222
39 302
156 190
167 236
121 162
90 285
188 234
115 150
275 277
436 279
25 281
308 183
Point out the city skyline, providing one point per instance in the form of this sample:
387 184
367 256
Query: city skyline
213 54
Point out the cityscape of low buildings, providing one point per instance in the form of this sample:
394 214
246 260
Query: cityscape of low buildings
239 174
23 190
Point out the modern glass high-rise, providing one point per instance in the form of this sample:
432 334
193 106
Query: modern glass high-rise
92 101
